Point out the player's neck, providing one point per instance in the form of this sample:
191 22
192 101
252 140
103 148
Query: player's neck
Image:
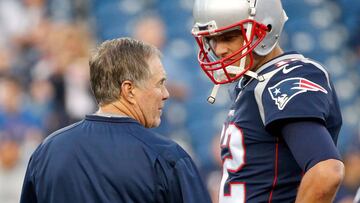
114 108
123 108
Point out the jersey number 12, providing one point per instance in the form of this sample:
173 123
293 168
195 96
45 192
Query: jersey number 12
233 156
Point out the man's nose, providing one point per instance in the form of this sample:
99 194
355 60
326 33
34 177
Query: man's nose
166 94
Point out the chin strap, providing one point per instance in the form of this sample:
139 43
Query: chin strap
232 70
211 99
254 75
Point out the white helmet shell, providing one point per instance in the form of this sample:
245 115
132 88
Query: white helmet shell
223 13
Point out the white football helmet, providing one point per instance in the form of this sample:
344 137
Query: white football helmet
260 22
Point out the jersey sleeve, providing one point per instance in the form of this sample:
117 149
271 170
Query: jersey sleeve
191 185
302 92
317 142
180 181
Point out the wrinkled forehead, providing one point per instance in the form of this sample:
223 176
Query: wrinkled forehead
155 66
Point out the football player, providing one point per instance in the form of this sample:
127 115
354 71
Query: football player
278 143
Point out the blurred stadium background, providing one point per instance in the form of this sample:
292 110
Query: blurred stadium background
44 48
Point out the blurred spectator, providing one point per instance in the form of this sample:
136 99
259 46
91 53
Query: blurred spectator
14 156
15 119
64 51
9 154
39 101
19 135
11 176
4 61
78 97
16 11
15 36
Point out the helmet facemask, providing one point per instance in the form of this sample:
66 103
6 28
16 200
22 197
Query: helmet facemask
221 70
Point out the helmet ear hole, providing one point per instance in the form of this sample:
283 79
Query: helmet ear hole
269 26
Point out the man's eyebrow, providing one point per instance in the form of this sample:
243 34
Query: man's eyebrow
163 79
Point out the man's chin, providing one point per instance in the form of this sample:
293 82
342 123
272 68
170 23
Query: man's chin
155 124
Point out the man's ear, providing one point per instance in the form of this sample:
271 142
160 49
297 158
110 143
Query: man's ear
127 91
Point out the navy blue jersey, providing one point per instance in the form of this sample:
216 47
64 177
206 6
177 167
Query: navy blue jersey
111 159
258 164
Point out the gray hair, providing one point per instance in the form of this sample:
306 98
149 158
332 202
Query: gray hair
118 60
